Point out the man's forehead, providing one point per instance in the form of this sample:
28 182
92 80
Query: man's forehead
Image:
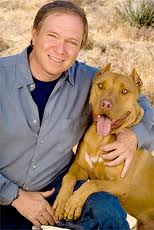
56 14
65 25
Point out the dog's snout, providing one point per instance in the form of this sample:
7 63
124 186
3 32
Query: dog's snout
106 104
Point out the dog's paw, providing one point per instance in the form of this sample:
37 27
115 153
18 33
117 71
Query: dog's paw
73 208
59 206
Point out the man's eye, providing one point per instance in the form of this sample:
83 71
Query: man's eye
52 35
72 43
100 85
124 91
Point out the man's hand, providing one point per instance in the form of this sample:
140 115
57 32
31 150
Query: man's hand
122 149
34 207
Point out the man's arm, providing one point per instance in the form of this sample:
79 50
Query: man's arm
8 190
145 129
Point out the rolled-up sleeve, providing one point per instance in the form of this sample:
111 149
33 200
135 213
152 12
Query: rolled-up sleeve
145 129
8 191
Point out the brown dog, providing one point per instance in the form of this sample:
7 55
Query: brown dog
115 97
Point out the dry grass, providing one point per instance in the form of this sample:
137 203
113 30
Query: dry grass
110 39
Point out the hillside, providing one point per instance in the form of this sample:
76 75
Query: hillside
111 39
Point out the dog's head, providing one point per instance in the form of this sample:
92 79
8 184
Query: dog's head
115 96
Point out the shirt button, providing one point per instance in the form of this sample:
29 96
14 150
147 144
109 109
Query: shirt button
35 121
32 86
41 141
34 166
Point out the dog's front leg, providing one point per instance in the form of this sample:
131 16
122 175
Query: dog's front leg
63 195
75 203
75 173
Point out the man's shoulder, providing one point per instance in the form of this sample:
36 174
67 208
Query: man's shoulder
82 72
7 69
14 59
8 60
82 66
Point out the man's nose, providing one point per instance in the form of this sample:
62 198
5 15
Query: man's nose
60 48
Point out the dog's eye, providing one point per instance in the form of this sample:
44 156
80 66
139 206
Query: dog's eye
124 91
100 85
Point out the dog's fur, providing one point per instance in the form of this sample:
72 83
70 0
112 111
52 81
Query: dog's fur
115 96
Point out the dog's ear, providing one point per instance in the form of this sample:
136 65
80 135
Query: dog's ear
102 70
135 77
106 68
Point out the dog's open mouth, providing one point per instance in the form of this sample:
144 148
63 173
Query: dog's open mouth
105 124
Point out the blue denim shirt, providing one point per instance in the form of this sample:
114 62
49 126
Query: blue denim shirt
32 155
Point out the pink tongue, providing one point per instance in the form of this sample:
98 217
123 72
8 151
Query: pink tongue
103 126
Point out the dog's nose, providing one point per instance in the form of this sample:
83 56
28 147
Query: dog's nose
106 105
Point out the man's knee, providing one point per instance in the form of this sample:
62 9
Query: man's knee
106 208
104 200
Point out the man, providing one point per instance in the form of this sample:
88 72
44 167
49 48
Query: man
44 112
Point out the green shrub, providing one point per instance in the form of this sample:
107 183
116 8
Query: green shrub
138 12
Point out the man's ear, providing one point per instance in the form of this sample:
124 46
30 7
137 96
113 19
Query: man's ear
102 70
34 35
137 80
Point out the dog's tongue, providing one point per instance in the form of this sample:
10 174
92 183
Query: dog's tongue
103 125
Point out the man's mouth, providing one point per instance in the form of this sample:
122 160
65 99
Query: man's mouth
55 59
105 124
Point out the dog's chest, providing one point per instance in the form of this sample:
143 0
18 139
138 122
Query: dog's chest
95 166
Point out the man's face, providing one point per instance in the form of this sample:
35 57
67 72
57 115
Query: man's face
56 45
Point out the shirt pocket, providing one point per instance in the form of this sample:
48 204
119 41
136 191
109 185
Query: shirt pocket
70 132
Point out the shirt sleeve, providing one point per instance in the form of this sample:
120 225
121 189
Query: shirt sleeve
8 191
145 129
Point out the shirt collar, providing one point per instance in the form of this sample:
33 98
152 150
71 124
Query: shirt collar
24 76
23 73
69 74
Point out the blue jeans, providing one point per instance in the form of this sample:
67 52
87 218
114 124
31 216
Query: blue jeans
102 211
